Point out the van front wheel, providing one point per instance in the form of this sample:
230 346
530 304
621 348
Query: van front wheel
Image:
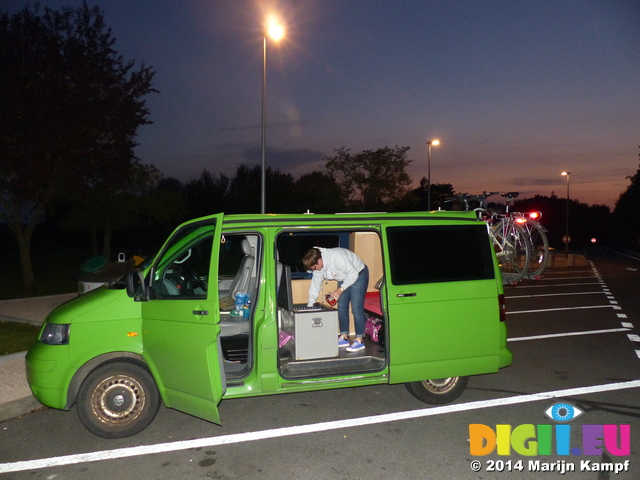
438 391
118 400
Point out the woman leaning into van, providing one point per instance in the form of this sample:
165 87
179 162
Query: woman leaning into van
353 279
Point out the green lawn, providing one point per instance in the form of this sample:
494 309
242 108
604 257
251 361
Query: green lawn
17 337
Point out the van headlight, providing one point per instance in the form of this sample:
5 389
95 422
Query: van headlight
55 334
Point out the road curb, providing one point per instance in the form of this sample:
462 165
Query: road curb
19 407
15 397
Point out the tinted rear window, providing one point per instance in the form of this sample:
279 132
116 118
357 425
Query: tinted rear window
439 254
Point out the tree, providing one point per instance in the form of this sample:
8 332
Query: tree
416 199
207 194
245 186
626 214
69 115
137 201
317 192
371 179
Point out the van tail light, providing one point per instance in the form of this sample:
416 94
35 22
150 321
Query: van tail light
503 308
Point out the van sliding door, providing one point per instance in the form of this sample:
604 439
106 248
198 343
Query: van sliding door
442 301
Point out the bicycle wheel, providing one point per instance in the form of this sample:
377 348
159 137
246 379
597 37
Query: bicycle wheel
512 246
539 248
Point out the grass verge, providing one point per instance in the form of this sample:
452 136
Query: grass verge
17 337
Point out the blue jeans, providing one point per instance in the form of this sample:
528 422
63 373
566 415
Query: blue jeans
354 295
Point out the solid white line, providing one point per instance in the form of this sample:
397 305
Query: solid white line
567 334
305 429
588 277
519 287
555 295
615 307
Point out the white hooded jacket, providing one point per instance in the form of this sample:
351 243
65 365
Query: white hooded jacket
338 264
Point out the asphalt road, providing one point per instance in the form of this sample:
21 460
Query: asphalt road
572 335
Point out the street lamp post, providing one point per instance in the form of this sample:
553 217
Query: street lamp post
566 239
276 32
429 143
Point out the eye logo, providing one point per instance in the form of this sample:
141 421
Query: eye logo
563 412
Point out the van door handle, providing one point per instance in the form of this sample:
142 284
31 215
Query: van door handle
200 312
406 295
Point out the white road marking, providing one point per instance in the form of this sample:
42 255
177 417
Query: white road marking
615 307
306 429
567 334
634 338
520 287
554 295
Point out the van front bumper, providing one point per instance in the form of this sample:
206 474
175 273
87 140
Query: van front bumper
49 373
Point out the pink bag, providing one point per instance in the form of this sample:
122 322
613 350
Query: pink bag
373 327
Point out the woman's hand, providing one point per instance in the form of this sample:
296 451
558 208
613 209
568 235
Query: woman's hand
336 294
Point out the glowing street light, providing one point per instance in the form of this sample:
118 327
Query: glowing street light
275 31
429 143
567 238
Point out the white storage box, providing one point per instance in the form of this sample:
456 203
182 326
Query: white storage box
315 334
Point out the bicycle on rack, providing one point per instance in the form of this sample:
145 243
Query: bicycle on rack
510 239
537 237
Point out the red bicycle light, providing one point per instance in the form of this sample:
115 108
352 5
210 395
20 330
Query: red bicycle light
535 215
521 220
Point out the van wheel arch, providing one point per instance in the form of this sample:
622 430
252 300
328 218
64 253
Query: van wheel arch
438 391
85 370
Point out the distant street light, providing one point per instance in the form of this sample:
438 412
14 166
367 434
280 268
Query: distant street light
566 238
274 30
429 143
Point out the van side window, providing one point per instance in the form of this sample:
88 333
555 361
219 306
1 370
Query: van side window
187 275
291 248
425 254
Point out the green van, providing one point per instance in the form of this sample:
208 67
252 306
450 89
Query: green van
171 331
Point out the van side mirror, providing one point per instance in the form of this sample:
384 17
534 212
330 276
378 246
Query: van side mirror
135 285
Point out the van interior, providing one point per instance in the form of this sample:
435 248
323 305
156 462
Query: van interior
307 341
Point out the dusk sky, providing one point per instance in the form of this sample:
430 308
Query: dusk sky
516 91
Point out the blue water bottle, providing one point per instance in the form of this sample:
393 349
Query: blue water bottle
241 299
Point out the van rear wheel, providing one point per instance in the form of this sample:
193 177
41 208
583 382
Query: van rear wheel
118 400
438 391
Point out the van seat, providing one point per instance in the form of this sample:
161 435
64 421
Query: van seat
241 281
372 303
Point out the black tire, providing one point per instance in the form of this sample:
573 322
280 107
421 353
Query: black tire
438 391
118 400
